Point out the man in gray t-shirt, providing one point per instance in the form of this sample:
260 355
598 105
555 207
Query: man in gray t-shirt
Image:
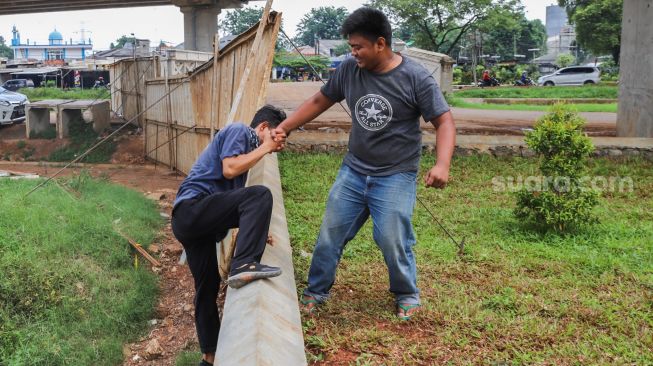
386 93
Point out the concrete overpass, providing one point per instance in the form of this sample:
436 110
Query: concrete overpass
200 16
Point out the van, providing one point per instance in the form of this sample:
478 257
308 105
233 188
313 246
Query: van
573 75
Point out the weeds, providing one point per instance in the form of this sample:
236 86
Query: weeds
68 291
82 137
37 94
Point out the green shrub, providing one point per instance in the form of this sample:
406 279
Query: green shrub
457 75
565 202
565 60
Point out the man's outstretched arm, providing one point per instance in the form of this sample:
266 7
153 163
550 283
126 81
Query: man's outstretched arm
445 140
311 108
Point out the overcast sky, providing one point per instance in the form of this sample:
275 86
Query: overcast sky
163 23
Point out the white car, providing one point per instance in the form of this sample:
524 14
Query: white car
573 75
12 107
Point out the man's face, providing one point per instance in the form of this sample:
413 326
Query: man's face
368 54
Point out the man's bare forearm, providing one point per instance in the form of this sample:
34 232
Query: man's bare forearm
307 111
445 138
237 165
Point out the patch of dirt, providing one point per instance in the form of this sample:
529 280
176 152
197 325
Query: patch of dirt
130 150
173 329
15 147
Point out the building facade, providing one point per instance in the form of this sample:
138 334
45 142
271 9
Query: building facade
56 50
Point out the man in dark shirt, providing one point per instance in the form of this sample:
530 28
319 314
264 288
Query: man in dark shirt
213 199
386 93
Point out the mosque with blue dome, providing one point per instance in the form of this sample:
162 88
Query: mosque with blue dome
56 48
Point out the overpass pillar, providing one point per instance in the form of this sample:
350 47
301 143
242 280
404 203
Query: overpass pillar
635 116
201 21
200 24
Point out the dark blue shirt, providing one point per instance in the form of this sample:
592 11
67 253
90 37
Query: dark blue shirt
205 177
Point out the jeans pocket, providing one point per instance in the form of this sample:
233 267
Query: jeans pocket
408 176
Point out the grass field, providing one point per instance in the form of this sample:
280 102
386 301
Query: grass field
579 107
36 94
594 91
69 292
517 296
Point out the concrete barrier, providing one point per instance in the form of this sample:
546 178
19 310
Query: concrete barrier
261 324
497 145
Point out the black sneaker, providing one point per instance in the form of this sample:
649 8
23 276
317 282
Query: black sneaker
249 272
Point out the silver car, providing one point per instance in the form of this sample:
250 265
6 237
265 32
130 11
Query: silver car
12 107
573 75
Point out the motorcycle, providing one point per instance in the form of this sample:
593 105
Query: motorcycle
489 83
528 82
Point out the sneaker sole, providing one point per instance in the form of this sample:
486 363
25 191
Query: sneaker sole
244 278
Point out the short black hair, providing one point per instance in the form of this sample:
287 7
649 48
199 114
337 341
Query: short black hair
368 22
270 114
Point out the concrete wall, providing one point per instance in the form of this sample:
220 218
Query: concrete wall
635 116
261 324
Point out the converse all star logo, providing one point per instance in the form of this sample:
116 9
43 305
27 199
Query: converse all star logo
373 112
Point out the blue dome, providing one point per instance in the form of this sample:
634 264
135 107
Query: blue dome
55 36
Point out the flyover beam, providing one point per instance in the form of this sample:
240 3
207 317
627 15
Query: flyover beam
44 6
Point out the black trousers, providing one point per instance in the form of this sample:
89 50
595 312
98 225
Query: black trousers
198 224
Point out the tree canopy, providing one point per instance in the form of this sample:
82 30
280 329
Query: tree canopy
239 20
517 36
5 51
323 22
439 25
295 61
597 23
120 42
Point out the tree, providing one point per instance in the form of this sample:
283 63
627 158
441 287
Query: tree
5 51
239 20
439 25
565 60
120 42
598 25
297 63
323 22
342 49
516 37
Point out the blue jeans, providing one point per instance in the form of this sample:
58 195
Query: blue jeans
390 201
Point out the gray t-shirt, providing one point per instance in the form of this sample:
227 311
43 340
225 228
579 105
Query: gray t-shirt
385 135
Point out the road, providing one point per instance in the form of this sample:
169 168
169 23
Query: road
468 121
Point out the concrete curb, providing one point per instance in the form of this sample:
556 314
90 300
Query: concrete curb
541 101
497 145
261 324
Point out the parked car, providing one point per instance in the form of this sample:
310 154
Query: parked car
16 84
573 75
12 107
